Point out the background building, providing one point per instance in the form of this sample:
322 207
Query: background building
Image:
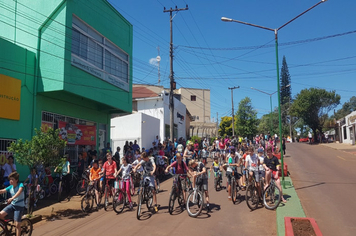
66 65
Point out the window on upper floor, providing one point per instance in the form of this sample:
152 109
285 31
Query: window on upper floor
193 98
98 52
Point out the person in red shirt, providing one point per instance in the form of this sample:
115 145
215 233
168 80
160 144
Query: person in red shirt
109 169
181 168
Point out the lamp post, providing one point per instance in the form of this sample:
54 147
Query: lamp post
232 104
270 100
277 65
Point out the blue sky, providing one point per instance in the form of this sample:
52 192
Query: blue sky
320 47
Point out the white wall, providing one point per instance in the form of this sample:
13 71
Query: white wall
138 126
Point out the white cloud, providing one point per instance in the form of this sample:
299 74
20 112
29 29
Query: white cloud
153 61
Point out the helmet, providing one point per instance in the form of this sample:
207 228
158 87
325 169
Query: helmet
260 150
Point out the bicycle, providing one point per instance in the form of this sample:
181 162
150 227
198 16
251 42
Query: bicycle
176 193
252 197
195 199
89 197
108 193
145 195
83 183
235 187
34 194
272 195
218 180
7 226
120 198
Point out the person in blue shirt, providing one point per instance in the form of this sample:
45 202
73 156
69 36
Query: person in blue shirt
16 202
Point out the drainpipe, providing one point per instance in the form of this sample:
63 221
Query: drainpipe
35 83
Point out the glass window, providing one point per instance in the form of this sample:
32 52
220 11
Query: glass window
193 98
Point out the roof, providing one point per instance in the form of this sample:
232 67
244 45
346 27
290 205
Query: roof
142 92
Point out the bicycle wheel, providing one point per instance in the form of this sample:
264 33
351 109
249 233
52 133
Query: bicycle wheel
3 230
216 184
158 186
149 199
106 198
53 189
233 190
26 227
252 197
60 188
41 194
82 186
132 187
139 203
119 201
87 202
181 200
172 199
271 197
194 203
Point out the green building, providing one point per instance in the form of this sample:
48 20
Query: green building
64 64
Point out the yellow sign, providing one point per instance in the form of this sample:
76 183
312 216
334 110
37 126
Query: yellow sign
10 97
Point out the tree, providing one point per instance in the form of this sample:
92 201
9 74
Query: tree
225 127
264 124
346 109
285 79
246 119
313 106
45 148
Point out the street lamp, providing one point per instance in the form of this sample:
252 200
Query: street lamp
270 99
276 46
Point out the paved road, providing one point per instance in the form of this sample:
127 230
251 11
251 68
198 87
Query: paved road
225 219
325 181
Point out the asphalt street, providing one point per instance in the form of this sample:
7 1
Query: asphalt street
225 218
325 181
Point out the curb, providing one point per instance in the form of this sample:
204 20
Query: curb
293 207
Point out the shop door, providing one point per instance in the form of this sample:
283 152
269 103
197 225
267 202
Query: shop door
352 135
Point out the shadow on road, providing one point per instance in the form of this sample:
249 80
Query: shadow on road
67 214
310 186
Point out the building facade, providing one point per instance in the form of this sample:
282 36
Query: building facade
346 128
197 102
65 65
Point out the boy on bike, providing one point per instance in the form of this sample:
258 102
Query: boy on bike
149 167
95 176
272 166
200 170
231 165
16 202
252 164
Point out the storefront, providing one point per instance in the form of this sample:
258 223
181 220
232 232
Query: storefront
348 129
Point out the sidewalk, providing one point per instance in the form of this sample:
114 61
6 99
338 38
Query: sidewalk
293 207
342 147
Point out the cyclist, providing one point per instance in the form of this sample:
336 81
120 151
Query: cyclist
231 165
188 154
271 165
95 176
16 202
261 170
149 167
204 154
252 164
199 170
180 168
126 170
216 167
109 171
101 173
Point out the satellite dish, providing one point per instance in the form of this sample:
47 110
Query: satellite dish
158 58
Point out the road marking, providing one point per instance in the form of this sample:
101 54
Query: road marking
341 158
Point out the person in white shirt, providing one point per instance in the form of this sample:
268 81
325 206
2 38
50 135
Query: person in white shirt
252 163
156 141
8 168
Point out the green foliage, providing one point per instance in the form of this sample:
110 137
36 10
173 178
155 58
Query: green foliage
265 123
285 79
246 119
346 109
313 106
225 127
44 148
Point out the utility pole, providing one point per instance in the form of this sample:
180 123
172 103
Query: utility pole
232 104
171 75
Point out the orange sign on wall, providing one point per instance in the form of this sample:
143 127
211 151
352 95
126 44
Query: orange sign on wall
10 97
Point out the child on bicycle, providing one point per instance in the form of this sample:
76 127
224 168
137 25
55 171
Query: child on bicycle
95 176
101 173
252 164
216 167
16 202
149 167
33 180
232 162
126 170
198 169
